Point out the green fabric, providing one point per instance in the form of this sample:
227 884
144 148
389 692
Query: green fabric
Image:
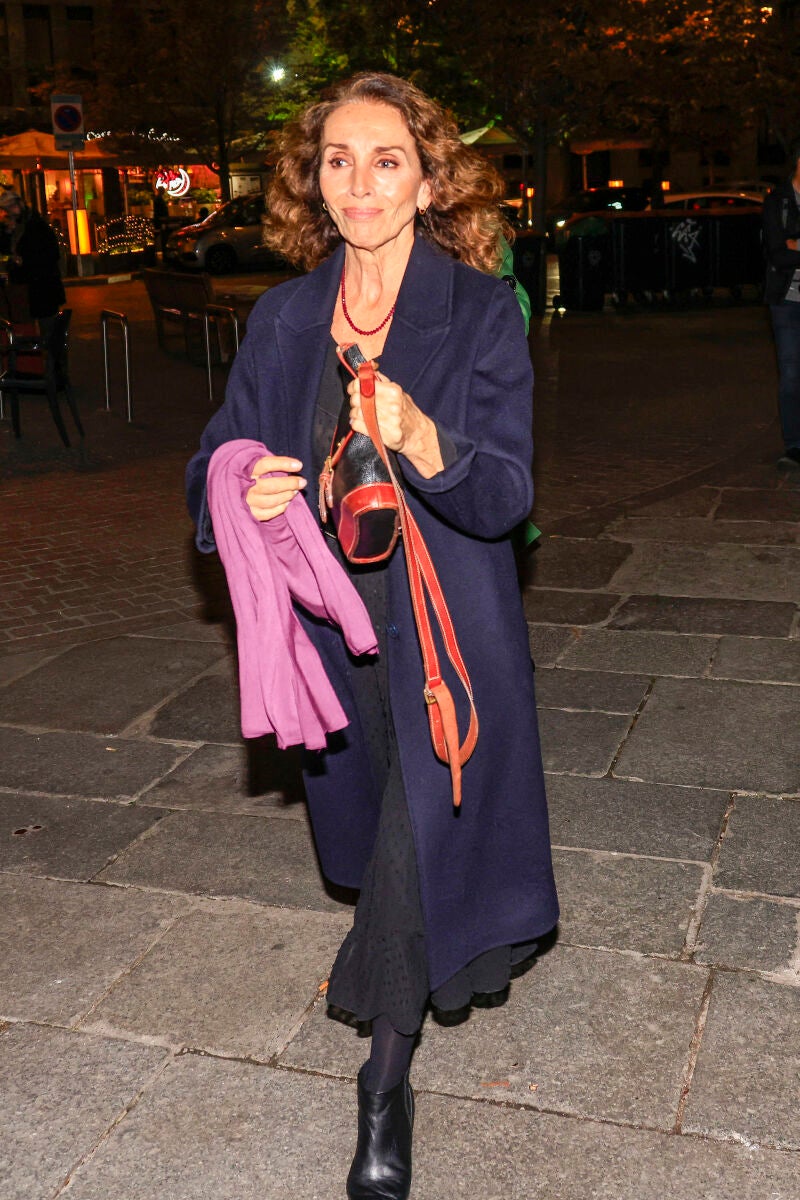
507 268
526 533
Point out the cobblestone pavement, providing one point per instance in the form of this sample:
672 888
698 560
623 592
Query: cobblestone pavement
165 931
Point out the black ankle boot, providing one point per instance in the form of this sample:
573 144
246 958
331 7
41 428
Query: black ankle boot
381 1169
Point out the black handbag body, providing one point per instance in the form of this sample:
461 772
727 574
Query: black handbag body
355 487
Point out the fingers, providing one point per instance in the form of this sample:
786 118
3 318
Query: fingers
271 494
392 407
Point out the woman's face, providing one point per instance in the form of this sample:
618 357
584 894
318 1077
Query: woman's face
370 175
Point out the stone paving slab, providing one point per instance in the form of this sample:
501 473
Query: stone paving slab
254 778
697 502
71 839
65 943
738 572
580 743
750 504
200 1133
577 563
560 607
705 614
639 653
208 711
548 642
601 1035
81 764
232 980
61 1092
219 1130
192 630
635 818
12 666
715 733
771 660
696 531
603 691
751 934
623 903
759 852
267 859
109 683
748 1070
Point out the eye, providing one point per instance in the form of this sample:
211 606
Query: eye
387 162
336 160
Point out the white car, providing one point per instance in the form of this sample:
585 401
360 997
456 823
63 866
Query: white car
230 239
710 198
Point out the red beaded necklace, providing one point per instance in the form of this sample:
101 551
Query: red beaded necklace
363 332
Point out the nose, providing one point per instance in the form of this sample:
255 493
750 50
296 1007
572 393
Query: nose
360 183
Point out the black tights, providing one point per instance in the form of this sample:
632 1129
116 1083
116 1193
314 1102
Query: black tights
390 1056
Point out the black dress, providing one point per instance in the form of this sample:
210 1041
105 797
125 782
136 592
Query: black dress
381 967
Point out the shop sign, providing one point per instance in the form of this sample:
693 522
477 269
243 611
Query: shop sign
174 181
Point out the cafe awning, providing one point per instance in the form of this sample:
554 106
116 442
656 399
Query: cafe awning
34 150
593 145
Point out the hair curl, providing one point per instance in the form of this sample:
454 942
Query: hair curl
463 217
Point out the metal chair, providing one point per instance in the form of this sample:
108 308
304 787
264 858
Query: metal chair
38 365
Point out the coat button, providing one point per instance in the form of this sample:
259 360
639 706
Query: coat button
392 630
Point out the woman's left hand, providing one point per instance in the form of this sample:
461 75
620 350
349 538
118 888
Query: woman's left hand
404 427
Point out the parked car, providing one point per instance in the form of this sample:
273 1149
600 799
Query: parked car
598 199
229 239
706 198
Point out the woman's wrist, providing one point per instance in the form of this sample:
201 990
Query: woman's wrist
422 448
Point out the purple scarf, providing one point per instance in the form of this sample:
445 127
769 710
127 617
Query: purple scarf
282 682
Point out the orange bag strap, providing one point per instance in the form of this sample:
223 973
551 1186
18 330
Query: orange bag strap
425 588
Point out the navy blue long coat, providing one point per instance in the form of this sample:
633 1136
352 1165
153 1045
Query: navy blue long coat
457 345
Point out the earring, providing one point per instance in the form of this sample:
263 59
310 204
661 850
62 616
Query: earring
422 211
324 206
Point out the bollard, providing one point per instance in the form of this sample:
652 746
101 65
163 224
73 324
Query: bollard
217 312
109 315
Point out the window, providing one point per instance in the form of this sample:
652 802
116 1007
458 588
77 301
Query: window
80 33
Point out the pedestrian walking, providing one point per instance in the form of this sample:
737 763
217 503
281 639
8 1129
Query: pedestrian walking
782 294
397 224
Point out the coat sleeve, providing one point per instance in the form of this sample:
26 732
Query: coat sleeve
237 418
775 235
488 488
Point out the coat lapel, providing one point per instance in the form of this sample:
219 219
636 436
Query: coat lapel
302 332
422 317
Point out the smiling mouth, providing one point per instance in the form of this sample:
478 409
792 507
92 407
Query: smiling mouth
361 214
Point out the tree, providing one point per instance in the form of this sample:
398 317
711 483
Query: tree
192 72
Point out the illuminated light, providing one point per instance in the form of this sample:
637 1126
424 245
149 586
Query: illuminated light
665 185
174 181
616 183
82 243
529 192
561 223
276 74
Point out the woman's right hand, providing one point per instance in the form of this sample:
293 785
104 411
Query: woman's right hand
271 495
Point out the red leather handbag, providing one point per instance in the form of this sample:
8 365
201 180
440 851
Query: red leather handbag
426 590
355 486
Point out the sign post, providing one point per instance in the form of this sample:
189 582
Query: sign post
67 115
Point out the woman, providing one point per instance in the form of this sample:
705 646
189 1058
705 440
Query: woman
398 222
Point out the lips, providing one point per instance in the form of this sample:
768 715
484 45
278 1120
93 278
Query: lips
361 214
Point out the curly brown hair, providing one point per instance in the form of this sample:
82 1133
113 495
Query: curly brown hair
463 217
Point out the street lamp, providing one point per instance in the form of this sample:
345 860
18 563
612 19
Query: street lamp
277 73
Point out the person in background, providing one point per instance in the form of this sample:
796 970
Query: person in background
397 224
160 219
782 293
33 260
